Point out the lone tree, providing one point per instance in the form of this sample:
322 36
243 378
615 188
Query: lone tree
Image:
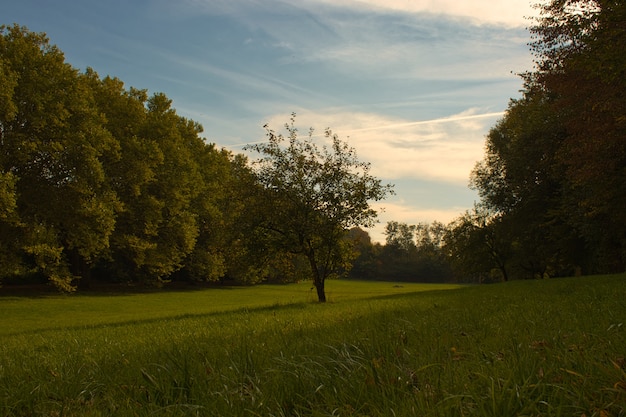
311 196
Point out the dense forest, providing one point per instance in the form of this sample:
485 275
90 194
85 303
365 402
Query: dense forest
553 178
104 183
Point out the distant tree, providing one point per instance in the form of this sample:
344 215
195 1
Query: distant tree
366 265
433 263
397 259
312 196
413 253
429 236
477 244
401 236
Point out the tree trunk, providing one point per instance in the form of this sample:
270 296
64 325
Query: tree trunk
80 269
505 275
318 280
321 294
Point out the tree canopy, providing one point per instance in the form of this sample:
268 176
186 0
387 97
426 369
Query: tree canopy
100 180
312 195
97 179
554 165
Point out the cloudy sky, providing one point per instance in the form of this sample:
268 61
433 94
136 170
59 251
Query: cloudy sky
413 85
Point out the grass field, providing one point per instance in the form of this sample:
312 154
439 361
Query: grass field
554 347
45 312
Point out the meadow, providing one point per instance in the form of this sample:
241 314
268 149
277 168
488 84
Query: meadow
527 348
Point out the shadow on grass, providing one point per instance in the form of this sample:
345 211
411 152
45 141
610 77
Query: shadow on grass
170 319
35 291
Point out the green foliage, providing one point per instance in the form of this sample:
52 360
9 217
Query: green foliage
53 144
310 197
100 180
400 235
478 246
96 177
553 170
413 253
11 241
376 350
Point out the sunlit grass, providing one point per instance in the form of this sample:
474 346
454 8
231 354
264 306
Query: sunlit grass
552 347
56 311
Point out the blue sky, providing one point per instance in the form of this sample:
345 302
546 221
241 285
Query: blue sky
413 85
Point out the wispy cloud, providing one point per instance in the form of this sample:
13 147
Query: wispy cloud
429 160
366 69
364 38
453 118
497 12
442 149
413 85
503 12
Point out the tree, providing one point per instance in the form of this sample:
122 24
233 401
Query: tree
553 169
366 265
216 207
401 236
429 236
433 263
52 150
230 245
578 47
521 182
9 218
165 179
477 244
311 196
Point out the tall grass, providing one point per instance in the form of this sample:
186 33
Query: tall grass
552 347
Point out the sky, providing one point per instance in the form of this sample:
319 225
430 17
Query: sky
413 85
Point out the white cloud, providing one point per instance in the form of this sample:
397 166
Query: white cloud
499 12
505 12
436 154
413 85
408 46
422 38
443 149
403 212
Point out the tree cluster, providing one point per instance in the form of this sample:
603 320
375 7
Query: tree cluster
553 177
97 178
411 253
100 180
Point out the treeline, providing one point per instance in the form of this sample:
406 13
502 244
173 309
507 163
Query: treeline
411 253
103 183
553 179
100 181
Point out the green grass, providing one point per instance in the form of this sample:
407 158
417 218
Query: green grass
44 312
553 347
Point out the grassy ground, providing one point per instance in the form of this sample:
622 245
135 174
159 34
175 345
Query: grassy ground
43 311
553 347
